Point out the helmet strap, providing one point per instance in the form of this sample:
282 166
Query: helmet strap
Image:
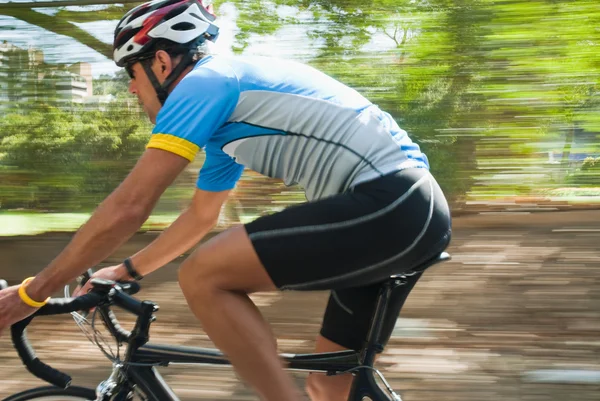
162 91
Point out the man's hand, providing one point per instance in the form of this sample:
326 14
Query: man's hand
114 273
12 308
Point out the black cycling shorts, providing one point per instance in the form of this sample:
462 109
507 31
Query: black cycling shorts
351 242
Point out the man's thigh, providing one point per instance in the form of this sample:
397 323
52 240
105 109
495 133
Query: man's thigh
230 262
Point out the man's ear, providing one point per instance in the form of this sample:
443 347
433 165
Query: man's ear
165 63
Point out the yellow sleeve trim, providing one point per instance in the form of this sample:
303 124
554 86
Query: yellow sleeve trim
174 144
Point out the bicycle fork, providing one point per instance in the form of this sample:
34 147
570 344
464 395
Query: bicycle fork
109 387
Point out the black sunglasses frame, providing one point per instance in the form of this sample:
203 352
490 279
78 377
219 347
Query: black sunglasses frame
129 65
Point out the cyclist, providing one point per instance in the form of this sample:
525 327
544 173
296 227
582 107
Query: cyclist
373 206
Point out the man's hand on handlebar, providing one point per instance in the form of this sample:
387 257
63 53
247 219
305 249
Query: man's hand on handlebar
12 308
114 273
105 294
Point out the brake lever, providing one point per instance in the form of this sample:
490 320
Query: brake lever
85 277
128 287
81 281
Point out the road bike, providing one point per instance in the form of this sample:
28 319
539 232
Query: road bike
135 377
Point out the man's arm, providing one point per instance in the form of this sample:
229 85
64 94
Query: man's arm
115 220
185 232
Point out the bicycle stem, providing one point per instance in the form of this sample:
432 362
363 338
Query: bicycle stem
141 331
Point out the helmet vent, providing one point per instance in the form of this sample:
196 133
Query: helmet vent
183 26
129 48
174 13
126 36
139 13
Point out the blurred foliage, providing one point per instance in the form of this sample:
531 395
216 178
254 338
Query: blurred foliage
112 85
501 95
54 159
588 174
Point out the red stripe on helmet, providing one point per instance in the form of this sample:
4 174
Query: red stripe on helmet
141 38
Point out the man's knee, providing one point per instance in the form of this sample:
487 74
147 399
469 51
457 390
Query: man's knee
193 276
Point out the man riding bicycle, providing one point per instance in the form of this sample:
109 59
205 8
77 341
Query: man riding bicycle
372 204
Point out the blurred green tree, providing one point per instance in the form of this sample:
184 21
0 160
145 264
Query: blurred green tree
487 88
57 159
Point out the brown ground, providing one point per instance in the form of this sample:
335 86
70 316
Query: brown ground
519 302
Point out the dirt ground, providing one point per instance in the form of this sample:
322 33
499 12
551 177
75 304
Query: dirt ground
514 316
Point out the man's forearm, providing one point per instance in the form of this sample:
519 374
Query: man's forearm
183 234
108 228
115 221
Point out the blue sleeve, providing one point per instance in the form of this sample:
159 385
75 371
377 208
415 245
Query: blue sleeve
219 172
198 106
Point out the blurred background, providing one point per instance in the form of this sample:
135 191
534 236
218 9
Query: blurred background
502 95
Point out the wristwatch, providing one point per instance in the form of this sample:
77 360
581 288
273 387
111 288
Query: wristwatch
131 271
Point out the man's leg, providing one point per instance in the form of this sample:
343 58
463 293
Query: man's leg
215 281
346 324
321 387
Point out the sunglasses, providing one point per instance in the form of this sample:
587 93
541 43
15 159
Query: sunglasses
129 66
129 69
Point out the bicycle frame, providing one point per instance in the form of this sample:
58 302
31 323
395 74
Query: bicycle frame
149 381
142 358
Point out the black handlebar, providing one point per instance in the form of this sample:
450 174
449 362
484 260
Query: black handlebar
103 294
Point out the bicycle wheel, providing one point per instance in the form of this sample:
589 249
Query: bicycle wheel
55 394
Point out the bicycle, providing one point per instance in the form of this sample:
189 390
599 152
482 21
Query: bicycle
136 374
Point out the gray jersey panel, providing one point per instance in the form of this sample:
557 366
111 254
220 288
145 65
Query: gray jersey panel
324 147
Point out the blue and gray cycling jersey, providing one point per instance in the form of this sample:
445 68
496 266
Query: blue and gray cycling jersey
281 119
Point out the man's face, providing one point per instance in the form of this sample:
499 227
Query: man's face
140 86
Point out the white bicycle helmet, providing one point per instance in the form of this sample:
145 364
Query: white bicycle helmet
179 21
182 25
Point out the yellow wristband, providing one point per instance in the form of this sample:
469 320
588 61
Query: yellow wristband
25 298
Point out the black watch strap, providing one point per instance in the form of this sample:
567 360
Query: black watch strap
131 271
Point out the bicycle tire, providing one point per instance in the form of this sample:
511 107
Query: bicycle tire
51 393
